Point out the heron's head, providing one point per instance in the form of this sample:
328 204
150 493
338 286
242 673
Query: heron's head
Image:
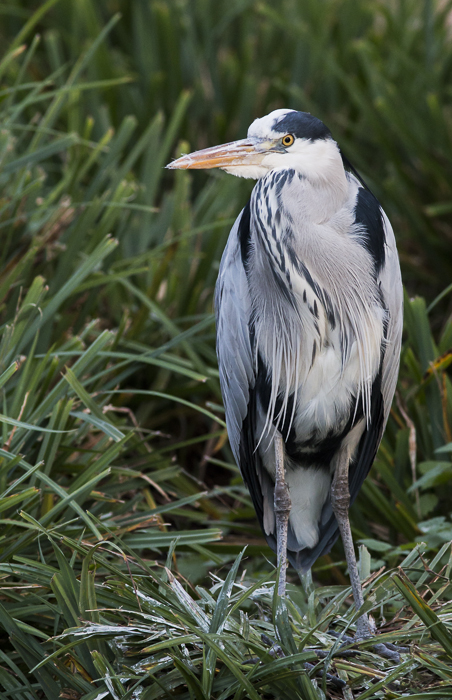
284 138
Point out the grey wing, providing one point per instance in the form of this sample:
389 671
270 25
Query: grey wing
237 365
390 281
233 314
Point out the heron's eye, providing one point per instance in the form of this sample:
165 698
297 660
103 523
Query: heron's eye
288 140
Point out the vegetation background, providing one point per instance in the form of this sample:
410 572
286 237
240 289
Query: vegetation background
123 517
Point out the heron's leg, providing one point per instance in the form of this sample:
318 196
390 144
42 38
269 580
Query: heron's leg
282 505
340 501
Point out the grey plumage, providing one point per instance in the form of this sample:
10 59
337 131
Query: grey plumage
294 288
309 321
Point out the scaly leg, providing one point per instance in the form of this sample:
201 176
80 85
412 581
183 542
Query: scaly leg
340 501
282 505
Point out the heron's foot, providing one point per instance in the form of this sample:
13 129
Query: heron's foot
335 681
366 629
385 649
389 651
340 652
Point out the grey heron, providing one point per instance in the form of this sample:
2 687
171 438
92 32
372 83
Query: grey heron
309 324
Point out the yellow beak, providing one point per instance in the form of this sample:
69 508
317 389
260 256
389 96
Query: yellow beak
244 152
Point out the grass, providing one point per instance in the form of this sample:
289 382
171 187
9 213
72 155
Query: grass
130 630
124 519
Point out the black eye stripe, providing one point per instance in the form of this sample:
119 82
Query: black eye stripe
302 125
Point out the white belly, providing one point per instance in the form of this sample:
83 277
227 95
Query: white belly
327 392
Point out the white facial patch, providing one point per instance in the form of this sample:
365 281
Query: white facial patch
263 128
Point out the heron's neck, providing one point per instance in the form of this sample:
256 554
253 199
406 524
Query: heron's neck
318 184
321 198
324 187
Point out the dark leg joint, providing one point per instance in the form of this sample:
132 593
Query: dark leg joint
340 496
282 502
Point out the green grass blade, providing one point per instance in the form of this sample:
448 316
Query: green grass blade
436 628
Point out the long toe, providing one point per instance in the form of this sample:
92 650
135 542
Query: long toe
387 653
385 649
335 681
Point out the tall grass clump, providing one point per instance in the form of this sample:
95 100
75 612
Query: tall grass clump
378 73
